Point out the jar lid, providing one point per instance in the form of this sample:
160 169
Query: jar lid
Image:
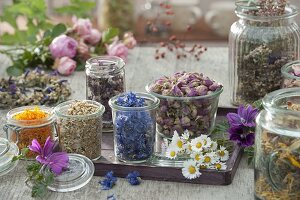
79 172
7 151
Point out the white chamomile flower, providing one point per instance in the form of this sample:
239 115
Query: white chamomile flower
203 166
213 146
220 166
206 141
185 136
188 148
197 144
223 154
171 152
209 158
190 170
177 142
196 156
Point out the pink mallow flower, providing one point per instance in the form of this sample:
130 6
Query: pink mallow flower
129 40
65 66
118 49
63 46
55 161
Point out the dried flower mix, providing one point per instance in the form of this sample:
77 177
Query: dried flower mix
80 128
33 88
195 115
134 129
291 76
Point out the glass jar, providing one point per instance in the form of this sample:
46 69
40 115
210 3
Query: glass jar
105 78
289 78
277 146
77 132
134 129
195 114
22 132
258 47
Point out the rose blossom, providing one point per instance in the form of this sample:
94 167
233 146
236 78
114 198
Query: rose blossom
65 65
82 27
63 46
83 50
94 37
129 40
118 49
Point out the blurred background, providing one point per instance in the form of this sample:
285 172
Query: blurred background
209 20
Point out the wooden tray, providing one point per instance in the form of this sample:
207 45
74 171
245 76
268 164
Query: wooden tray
150 171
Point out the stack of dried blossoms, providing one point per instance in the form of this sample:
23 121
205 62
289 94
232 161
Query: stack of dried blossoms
134 130
28 118
204 153
280 179
33 88
291 76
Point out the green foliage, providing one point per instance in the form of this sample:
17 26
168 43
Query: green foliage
35 13
23 153
109 34
79 8
250 155
258 104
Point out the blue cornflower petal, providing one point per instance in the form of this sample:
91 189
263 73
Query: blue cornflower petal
130 100
133 178
109 181
111 197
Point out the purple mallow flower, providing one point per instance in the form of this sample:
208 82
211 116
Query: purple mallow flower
244 117
241 137
56 161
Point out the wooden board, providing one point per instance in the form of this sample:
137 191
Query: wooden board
150 171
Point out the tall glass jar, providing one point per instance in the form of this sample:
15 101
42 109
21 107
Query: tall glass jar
134 129
277 147
289 77
79 127
105 78
22 132
258 47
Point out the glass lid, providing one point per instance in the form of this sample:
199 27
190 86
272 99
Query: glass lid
7 151
79 172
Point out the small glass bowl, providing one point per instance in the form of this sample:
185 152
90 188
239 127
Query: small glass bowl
289 79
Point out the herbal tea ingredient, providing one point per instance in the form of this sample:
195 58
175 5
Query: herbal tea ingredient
81 134
33 88
195 115
31 117
134 130
289 82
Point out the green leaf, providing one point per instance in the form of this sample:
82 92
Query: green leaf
109 34
23 153
221 128
14 71
79 8
58 30
250 155
258 104
80 66
47 33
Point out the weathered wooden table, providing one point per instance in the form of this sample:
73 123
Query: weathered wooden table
140 70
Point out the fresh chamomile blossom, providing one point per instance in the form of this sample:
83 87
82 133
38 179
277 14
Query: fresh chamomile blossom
188 148
223 154
202 166
209 158
185 136
219 166
206 141
196 156
190 169
197 144
171 152
213 146
177 142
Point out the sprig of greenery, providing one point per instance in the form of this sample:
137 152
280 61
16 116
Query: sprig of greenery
79 8
250 155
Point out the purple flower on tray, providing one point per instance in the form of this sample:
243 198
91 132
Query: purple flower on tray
109 181
56 161
134 178
241 136
244 117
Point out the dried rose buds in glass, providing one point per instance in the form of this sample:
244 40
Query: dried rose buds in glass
188 101
291 75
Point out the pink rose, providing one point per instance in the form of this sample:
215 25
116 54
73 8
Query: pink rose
63 46
82 27
94 37
118 49
296 69
65 65
129 40
83 50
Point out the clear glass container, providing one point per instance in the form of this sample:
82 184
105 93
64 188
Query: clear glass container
7 151
258 47
277 146
105 78
134 129
195 114
289 78
22 132
81 134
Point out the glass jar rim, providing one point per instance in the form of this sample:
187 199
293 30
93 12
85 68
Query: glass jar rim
286 69
213 94
31 123
290 12
117 61
154 102
99 112
269 101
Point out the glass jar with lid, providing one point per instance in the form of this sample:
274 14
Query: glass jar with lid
105 78
30 122
290 78
260 43
277 146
